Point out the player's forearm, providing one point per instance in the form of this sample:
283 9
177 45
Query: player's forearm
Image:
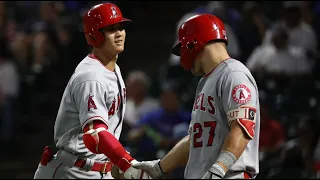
236 141
178 156
234 145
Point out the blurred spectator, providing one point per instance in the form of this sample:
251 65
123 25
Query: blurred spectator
21 47
7 25
314 151
279 57
53 35
46 39
300 33
251 29
160 129
2 16
43 43
9 89
317 156
138 102
298 153
316 10
272 133
308 16
3 19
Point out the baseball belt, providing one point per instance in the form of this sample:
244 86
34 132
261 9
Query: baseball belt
85 164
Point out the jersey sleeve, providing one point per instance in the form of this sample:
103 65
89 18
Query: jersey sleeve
239 101
90 98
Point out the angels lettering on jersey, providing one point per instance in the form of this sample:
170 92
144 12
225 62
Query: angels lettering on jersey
204 103
115 105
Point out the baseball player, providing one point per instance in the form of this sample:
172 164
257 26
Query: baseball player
90 117
224 129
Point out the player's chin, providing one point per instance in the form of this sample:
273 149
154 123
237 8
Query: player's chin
119 49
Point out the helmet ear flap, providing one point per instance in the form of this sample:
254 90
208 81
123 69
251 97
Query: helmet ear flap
95 39
91 37
191 44
189 51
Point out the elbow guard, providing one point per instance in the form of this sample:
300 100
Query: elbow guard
98 140
91 135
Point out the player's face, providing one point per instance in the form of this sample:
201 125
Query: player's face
115 36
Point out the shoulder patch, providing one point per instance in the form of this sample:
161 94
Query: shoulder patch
241 94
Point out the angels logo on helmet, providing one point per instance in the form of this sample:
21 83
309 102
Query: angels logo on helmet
114 12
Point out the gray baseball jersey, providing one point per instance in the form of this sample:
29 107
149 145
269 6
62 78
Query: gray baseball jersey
227 93
92 93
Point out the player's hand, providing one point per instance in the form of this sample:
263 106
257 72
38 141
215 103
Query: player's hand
151 167
214 173
135 173
116 173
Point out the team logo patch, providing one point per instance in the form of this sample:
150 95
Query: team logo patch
241 94
114 12
91 103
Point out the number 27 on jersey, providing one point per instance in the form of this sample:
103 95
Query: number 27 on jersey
198 133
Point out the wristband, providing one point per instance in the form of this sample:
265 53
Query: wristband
227 159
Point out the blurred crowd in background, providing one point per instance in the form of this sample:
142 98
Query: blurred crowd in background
42 42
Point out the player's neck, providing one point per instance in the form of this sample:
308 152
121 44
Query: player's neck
108 61
213 55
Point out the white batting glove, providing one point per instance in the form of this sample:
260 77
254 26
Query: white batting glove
134 173
151 167
215 172
210 175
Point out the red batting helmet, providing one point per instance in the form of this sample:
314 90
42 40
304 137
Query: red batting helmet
100 16
194 34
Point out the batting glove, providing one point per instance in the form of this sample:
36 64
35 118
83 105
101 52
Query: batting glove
134 173
151 167
214 173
